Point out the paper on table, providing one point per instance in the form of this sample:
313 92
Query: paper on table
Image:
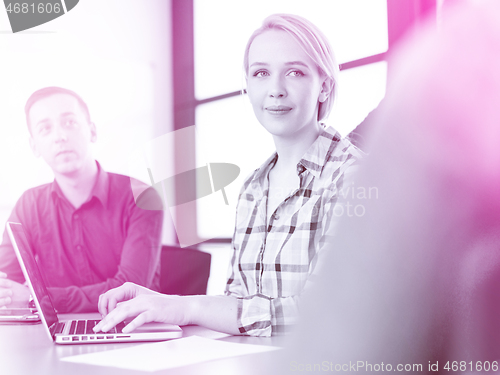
168 354
205 332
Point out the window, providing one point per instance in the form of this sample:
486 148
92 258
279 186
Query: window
360 31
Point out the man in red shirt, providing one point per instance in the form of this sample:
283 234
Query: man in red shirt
86 231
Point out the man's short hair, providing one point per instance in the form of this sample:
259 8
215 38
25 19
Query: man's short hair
49 91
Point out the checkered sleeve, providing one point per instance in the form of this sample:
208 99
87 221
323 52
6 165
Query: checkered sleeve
255 313
259 315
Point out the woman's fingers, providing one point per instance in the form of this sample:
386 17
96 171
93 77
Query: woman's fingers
118 296
137 322
109 321
102 304
109 300
122 311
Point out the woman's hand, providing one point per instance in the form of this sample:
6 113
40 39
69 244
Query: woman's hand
109 300
142 304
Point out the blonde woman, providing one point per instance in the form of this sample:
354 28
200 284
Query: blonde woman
285 207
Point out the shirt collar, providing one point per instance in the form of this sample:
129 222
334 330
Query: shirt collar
100 189
262 172
259 181
314 160
316 156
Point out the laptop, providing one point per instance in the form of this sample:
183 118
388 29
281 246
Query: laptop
75 331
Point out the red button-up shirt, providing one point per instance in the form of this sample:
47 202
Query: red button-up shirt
86 251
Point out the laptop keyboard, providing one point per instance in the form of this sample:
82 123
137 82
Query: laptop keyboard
85 327
81 330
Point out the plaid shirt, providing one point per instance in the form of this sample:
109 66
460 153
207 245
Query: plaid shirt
272 261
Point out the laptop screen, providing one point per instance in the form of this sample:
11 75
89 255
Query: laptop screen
32 273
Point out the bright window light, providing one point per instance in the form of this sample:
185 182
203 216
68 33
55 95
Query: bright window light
355 28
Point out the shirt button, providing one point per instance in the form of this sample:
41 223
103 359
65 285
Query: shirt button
78 247
76 217
276 217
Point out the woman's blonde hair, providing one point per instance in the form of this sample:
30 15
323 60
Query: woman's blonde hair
315 45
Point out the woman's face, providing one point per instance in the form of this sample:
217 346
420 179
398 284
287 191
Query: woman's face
283 84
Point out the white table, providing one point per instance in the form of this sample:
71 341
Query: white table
27 350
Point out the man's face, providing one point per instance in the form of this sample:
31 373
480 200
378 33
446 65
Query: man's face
61 133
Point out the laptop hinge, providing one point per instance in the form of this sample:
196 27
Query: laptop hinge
52 330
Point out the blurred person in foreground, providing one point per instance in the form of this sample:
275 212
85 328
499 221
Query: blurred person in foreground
416 280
